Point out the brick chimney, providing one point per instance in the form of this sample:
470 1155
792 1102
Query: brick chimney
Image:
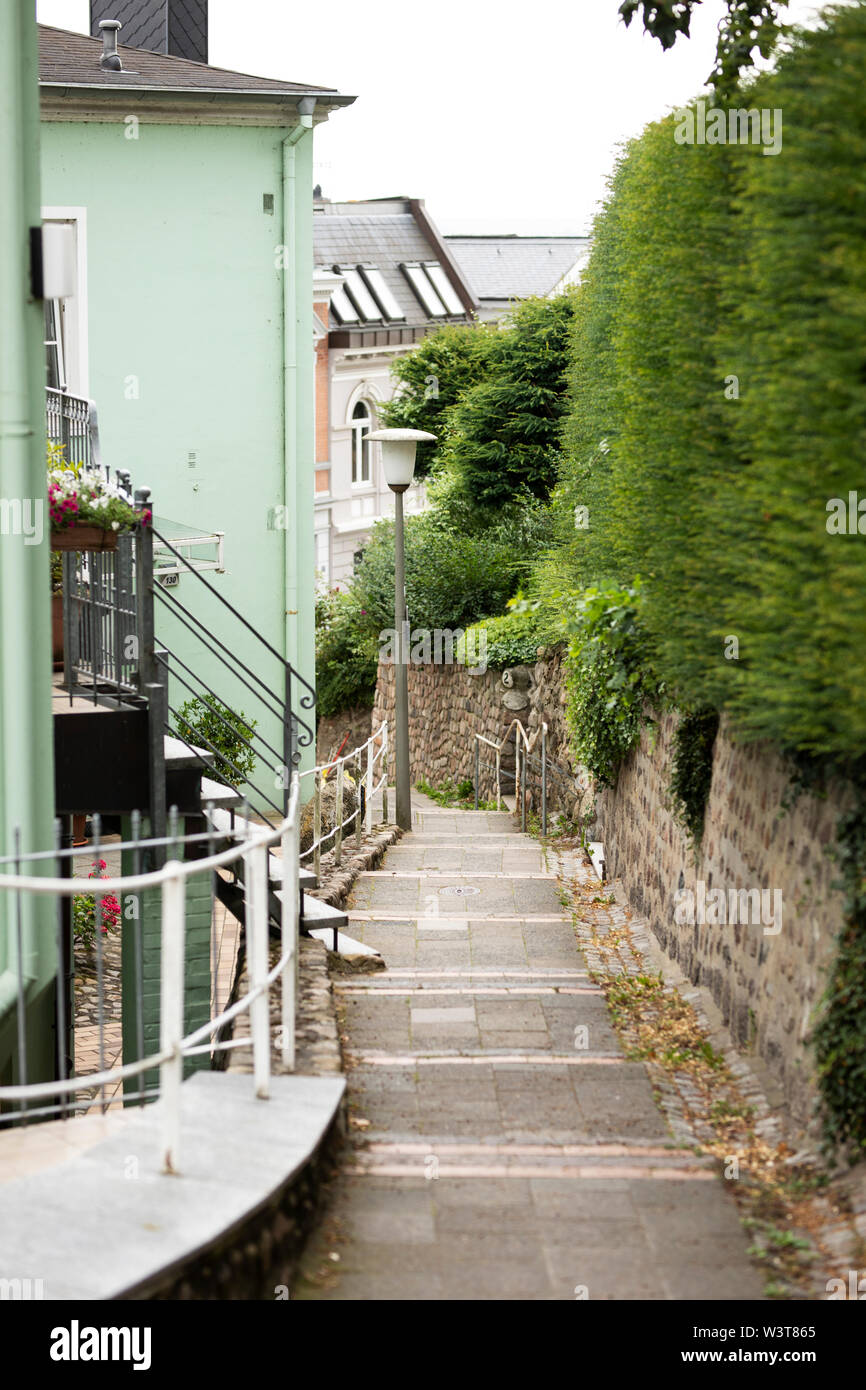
177 27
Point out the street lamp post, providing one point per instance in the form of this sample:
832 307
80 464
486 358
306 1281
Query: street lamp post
398 464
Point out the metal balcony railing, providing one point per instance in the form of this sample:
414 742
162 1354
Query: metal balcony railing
72 422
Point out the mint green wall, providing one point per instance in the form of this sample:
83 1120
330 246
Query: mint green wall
26 744
186 308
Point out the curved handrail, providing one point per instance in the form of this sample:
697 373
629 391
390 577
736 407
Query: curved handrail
528 741
376 748
174 1045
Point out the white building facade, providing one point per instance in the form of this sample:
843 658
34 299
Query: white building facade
383 279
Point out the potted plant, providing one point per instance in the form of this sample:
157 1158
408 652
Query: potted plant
87 511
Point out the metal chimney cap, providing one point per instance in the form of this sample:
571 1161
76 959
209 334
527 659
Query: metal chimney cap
110 57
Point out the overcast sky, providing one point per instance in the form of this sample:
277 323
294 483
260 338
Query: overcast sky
503 116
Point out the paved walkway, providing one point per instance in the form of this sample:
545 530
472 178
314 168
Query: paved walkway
507 1150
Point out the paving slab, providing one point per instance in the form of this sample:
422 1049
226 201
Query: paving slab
511 1151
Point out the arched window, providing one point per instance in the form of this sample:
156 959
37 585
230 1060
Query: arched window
361 426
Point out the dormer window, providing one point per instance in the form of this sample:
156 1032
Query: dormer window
433 288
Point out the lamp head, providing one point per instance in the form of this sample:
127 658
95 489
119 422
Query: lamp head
398 454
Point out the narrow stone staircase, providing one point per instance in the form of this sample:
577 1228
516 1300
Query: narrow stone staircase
502 1145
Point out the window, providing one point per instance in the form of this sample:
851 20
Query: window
343 307
55 357
443 287
423 288
361 426
433 288
376 282
323 555
65 332
361 296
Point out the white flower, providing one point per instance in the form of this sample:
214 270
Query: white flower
115 525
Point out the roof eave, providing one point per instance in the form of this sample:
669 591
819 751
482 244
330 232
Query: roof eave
72 98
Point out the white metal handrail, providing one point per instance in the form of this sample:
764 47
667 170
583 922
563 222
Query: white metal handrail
523 746
367 754
174 1046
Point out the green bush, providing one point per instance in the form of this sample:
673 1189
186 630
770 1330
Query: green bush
217 728
608 679
452 578
510 640
346 653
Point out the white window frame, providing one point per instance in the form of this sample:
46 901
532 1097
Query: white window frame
359 426
73 311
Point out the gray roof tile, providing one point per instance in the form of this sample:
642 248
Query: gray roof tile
515 267
73 59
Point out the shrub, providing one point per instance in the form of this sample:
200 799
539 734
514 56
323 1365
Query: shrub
346 653
217 728
608 679
452 578
511 640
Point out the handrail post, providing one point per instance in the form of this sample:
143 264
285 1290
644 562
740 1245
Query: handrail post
359 784
171 1018
288 739
544 779
317 822
289 935
522 783
498 784
150 679
476 772
338 815
384 732
256 917
368 800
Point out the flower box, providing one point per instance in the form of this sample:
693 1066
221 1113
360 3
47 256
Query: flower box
83 538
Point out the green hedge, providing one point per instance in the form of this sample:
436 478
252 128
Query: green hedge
713 262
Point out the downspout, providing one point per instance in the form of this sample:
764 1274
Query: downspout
24 651
306 107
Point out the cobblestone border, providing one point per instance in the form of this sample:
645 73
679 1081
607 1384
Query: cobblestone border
837 1216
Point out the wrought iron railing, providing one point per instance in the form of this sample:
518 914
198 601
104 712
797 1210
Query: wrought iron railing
272 698
71 421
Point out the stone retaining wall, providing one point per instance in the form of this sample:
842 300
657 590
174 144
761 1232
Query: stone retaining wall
766 984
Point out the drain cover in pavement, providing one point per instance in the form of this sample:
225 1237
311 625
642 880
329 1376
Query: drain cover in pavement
458 892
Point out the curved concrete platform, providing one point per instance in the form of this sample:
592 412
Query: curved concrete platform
106 1222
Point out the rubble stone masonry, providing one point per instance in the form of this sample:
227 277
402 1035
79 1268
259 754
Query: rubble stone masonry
766 983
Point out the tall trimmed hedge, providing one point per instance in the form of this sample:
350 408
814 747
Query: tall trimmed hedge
713 262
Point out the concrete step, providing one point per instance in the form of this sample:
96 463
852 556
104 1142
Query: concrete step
178 754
